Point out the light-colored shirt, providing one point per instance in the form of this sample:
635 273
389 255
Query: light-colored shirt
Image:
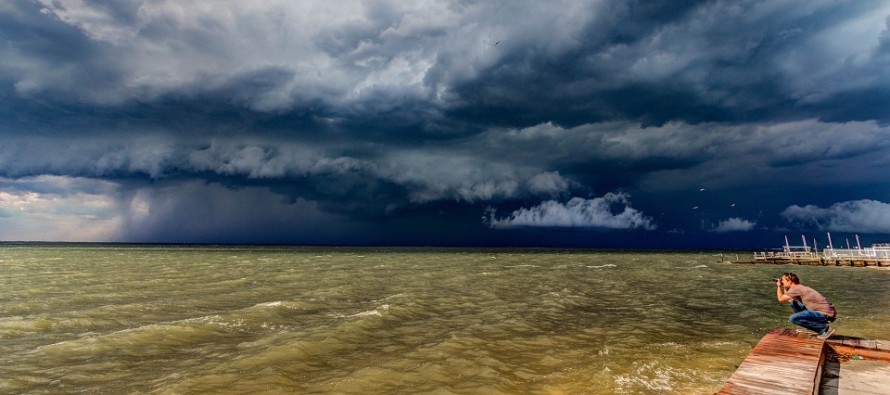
813 300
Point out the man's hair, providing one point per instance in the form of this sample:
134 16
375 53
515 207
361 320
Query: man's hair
792 277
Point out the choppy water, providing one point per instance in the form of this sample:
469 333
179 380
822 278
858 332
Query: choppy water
274 320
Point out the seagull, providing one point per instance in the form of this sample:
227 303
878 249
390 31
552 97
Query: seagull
732 205
701 190
496 44
695 208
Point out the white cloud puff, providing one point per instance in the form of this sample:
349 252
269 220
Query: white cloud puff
611 211
734 224
865 216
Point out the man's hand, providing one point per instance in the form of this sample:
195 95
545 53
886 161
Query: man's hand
780 293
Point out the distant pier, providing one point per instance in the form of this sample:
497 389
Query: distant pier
876 255
816 259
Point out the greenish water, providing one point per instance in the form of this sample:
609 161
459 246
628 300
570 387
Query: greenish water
276 320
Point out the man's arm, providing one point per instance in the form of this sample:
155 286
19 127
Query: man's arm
780 294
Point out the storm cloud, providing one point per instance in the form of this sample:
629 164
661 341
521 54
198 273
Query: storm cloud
443 123
866 216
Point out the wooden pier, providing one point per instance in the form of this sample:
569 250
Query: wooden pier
781 363
814 260
876 255
788 362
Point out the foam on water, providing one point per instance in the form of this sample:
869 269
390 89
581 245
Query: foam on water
608 265
376 313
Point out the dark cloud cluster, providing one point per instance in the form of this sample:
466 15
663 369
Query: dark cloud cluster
865 215
461 123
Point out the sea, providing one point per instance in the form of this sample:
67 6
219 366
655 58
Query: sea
177 319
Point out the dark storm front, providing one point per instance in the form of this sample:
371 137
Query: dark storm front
162 319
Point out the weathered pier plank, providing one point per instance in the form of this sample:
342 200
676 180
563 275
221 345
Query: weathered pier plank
869 349
788 362
783 362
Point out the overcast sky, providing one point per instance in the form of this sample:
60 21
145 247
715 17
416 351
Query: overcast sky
610 123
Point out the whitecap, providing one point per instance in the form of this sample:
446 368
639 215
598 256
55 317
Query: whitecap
649 377
367 313
376 312
602 266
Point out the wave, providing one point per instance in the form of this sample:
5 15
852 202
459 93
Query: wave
650 377
693 267
153 339
289 305
608 265
370 313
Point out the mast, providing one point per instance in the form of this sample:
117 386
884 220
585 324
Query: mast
858 247
787 247
829 241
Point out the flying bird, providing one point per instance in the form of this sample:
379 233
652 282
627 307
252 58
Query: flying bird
695 208
701 190
732 205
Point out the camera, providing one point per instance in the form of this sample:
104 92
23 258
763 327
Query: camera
776 279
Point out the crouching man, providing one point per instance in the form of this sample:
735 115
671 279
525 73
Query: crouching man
811 310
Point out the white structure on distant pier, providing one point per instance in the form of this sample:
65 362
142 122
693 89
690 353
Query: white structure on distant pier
878 253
